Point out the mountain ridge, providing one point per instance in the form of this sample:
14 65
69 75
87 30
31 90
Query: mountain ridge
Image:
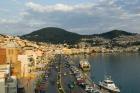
58 35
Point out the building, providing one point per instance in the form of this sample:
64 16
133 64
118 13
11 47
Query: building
11 84
12 52
2 56
8 83
25 65
5 69
2 85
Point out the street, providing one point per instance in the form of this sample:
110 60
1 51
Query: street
68 78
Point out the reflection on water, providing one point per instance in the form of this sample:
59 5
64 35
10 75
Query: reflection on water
124 69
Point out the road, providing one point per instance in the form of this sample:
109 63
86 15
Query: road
59 68
52 79
68 78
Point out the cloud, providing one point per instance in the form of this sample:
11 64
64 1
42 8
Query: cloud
7 21
83 18
86 17
22 14
4 10
14 0
57 7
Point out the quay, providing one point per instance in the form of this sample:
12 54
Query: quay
87 80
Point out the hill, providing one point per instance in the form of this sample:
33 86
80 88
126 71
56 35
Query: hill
53 35
57 35
115 33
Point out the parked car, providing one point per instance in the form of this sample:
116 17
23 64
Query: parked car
89 89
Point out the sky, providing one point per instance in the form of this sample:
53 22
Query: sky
18 17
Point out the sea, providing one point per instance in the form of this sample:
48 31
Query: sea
124 69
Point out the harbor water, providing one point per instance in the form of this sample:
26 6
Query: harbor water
124 69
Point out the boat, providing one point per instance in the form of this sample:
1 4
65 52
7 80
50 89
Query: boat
109 85
84 65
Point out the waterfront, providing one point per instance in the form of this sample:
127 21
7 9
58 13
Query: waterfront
124 69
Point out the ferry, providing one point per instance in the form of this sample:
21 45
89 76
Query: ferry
109 85
84 65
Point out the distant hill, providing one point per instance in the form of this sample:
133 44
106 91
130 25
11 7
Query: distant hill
53 35
115 33
57 35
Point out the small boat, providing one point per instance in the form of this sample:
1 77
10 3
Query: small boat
109 85
84 65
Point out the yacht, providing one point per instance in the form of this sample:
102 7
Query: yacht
84 65
109 85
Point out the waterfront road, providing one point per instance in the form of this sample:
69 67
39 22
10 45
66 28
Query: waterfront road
52 79
67 79
60 68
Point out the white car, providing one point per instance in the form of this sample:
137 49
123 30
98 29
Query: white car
65 74
89 89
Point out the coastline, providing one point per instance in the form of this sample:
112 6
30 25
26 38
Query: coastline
94 51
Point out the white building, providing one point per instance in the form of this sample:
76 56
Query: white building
2 85
8 84
5 69
11 85
24 65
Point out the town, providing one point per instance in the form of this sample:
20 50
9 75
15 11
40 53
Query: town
69 46
24 63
